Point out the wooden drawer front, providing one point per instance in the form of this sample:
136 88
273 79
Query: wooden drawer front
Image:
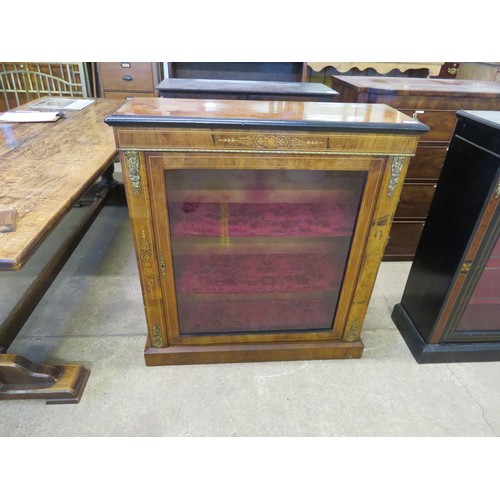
127 95
441 123
403 240
138 77
427 163
415 201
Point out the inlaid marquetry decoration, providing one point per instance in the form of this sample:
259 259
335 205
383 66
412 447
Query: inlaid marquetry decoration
380 227
133 166
157 336
271 141
147 263
396 169
353 333
40 150
466 267
162 265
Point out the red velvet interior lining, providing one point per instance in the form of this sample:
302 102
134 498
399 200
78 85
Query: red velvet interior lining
253 219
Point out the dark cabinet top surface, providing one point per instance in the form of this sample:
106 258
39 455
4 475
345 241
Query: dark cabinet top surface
244 86
490 118
165 112
422 86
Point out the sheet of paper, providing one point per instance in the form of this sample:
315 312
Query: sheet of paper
62 103
30 116
79 104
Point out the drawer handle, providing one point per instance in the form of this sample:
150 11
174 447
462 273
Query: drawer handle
418 112
127 78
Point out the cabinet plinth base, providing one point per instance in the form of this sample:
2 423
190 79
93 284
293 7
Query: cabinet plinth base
190 355
441 353
21 378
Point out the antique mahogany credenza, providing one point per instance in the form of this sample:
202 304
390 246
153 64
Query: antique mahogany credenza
259 226
435 103
450 309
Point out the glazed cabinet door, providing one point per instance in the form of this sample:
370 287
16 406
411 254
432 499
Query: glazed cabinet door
259 249
481 315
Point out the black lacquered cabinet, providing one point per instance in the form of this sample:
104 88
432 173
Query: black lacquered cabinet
450 309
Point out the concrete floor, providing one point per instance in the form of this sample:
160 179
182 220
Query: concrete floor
93 315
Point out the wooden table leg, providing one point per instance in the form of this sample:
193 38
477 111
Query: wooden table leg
20 378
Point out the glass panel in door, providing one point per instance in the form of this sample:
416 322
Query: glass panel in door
260 250
483 310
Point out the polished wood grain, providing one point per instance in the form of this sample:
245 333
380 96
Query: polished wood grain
434 102
282 114
45 168
415 200
20 378
403 240
155 136
244 89
120 80
421 86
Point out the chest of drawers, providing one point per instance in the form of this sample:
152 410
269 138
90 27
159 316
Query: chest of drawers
120 80
435 103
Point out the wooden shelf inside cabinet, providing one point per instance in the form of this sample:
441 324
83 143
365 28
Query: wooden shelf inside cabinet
450 309
259 227
433 101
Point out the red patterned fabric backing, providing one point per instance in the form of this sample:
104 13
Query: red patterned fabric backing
255 315
260 273
254 219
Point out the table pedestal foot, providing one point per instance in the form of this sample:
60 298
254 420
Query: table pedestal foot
21 378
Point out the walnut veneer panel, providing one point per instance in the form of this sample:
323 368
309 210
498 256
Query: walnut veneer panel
259 226
45 168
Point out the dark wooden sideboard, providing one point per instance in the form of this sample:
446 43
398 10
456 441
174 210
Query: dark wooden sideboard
450 309
245 89
259 226
434 102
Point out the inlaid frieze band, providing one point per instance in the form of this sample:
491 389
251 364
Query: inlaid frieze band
272 141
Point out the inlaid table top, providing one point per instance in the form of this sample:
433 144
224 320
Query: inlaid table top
45 168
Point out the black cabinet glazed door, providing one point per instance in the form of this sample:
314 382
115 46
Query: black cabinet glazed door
450 309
